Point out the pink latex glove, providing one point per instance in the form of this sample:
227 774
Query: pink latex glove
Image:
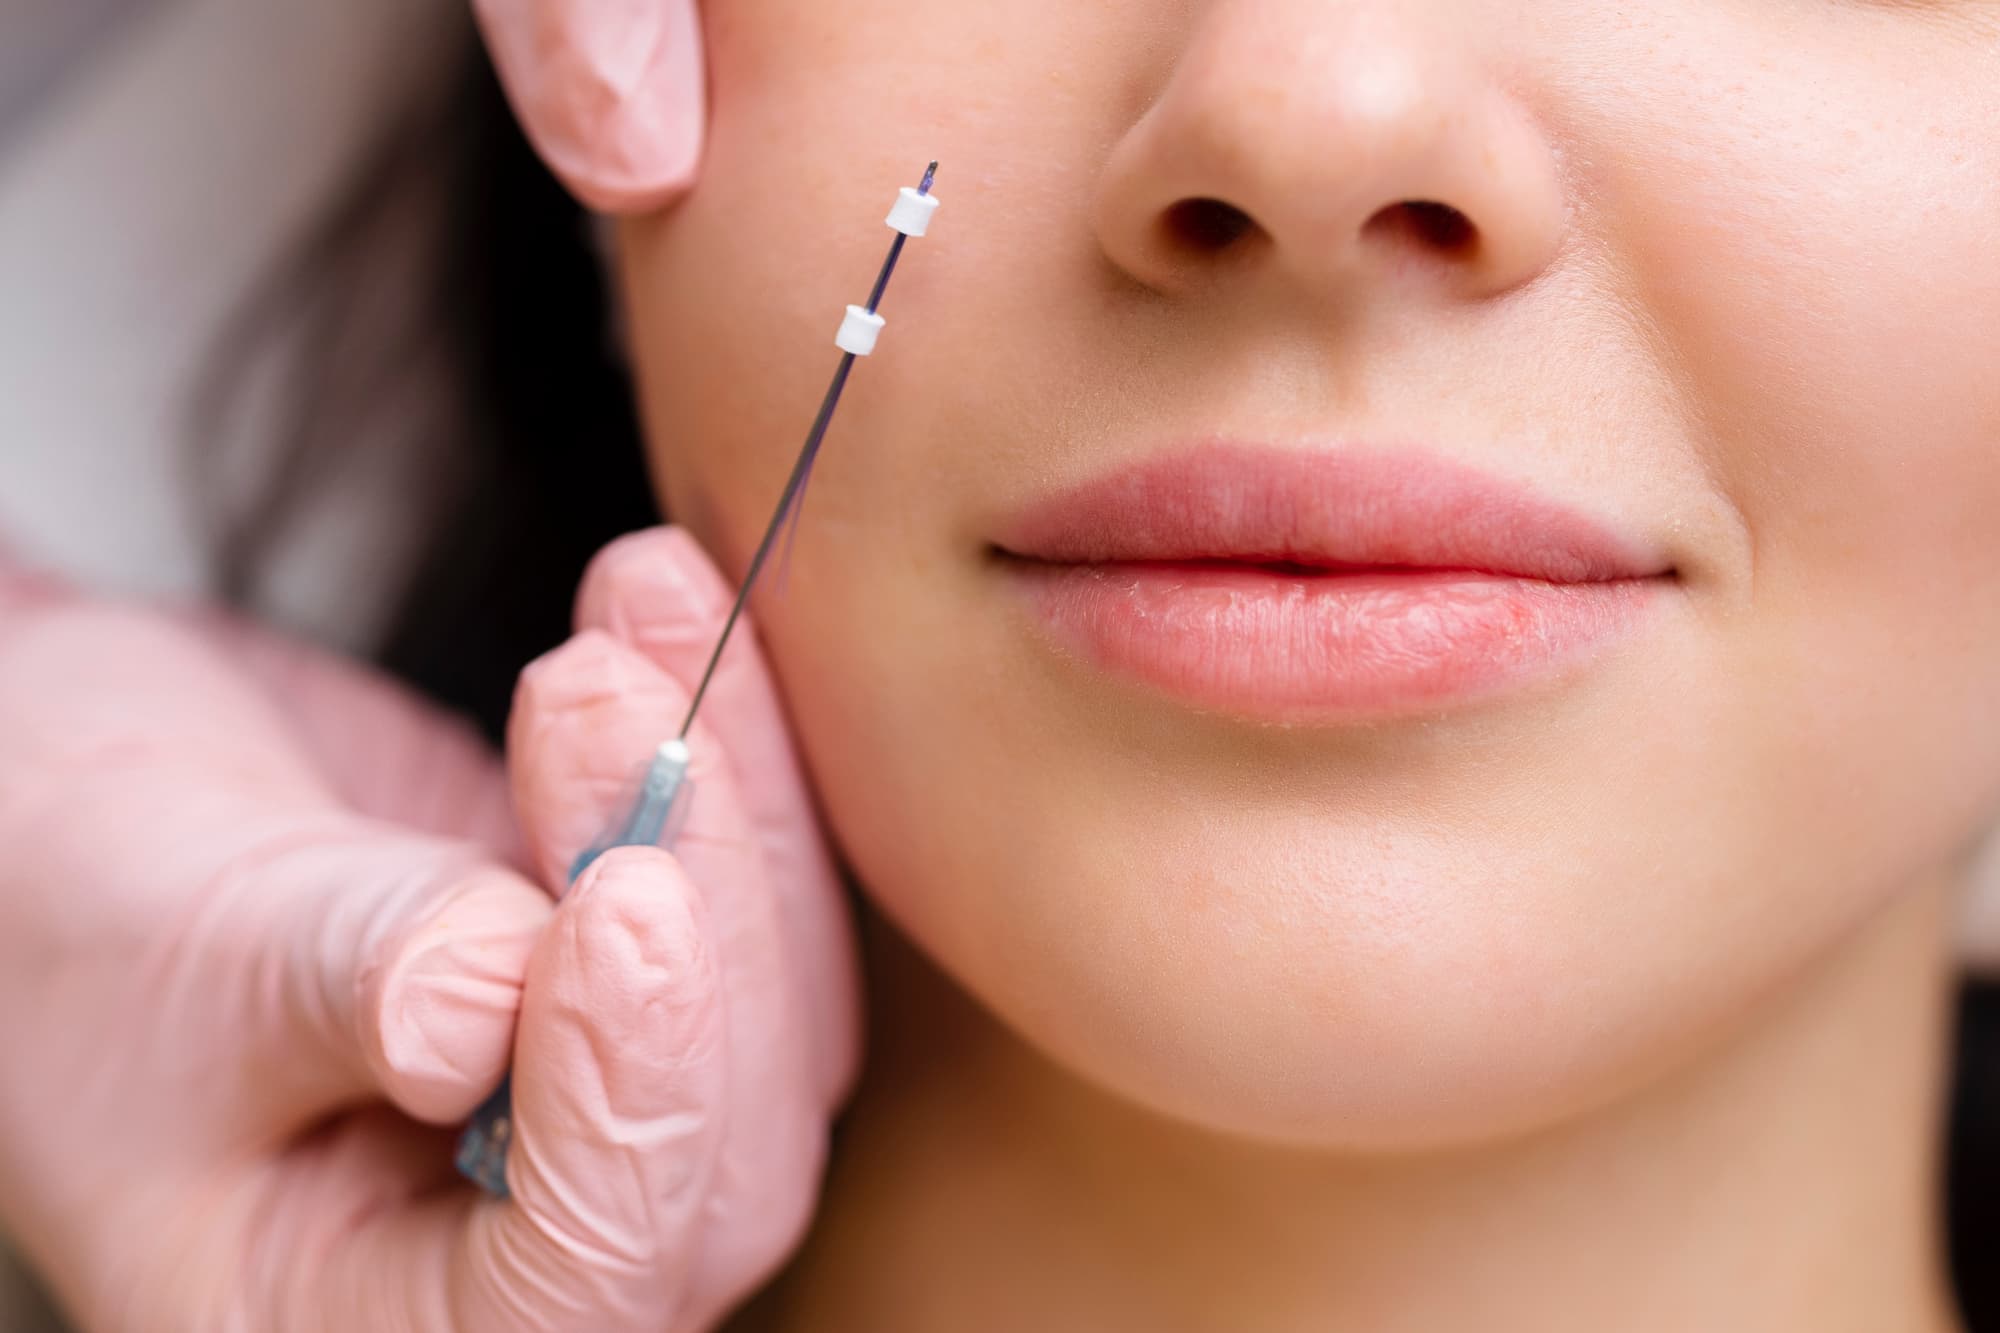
611 92
260 945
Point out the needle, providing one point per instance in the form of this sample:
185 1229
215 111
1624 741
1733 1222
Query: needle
794 492
660 803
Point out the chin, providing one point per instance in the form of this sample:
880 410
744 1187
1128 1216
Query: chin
1394 1006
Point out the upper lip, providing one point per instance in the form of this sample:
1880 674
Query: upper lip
1322 508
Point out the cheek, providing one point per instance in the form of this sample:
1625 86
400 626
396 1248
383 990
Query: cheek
1495 926
1812 244
1816 256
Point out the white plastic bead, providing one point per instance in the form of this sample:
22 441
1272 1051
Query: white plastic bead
912 213
858 331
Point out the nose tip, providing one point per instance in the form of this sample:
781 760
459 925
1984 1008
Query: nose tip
1333 154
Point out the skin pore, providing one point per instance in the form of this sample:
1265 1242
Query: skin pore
1613 1001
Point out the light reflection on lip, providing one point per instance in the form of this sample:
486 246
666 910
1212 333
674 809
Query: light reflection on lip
1283 584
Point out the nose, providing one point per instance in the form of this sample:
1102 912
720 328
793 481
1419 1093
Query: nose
1328 146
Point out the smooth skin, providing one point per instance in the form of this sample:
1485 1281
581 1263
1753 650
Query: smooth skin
1615 1002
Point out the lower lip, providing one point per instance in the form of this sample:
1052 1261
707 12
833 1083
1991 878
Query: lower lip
1278 645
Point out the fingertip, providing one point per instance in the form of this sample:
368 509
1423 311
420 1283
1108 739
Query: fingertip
623 138
586 718
624 1026
589 666
662 178
651 582
440 1016
637 947
620 1076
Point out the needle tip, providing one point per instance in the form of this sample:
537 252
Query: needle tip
930 174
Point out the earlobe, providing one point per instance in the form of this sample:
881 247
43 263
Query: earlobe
613 93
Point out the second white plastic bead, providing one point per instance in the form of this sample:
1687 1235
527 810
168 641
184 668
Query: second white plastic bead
858 331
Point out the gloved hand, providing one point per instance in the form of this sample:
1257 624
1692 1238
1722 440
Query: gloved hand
261 944
612 93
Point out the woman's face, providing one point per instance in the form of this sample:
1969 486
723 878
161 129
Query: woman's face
1434 856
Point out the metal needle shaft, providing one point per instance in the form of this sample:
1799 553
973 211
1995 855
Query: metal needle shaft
800 469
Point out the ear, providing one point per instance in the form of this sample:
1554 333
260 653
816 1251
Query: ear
612 93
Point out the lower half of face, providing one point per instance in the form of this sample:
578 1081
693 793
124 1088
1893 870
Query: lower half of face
1392 571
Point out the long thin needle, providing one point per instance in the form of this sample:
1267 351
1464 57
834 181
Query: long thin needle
794 485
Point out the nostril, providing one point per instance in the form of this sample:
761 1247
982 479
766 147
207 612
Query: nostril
1207 224
1438 225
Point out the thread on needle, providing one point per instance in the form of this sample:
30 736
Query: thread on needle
791 501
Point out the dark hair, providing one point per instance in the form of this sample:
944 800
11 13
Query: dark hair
540 464
1972 1159
530 457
